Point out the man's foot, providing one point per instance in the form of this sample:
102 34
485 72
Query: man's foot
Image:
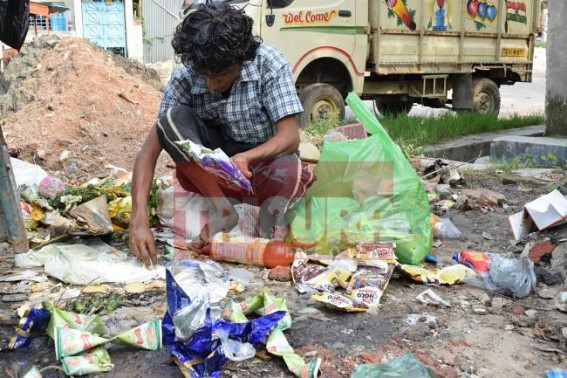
220 221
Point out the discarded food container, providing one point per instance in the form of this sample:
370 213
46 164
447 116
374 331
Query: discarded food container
263 252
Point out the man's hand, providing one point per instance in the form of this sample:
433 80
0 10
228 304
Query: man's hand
242 163
142 244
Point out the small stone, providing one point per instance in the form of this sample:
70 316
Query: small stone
437 243
564 332
479 311
487 236
518 310
280 273
41 154
509 327
312 353
135 287
64 155
446 372
14 298
531 313
498 303
548 292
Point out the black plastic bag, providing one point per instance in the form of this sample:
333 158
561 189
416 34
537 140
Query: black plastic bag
14 22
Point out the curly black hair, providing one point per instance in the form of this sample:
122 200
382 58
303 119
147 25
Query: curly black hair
215 37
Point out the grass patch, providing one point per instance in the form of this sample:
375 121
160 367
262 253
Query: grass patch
421 131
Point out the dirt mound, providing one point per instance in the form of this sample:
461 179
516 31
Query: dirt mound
77 107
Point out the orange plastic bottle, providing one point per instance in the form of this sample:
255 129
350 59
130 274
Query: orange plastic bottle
263 252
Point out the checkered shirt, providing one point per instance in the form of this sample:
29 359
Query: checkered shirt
263 94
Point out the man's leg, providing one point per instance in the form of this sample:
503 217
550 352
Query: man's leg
181 123
278 185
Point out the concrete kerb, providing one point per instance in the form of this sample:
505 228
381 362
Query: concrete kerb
470 147
539 152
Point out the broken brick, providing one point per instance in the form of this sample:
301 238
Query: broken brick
352 131
372 358
446 372
540 249
280 273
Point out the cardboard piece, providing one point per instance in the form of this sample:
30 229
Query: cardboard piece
545 212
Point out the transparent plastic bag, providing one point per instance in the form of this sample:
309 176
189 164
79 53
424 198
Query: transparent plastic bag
507 275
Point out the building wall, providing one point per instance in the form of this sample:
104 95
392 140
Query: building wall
556 72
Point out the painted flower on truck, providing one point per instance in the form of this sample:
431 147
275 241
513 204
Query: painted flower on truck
400 9
439 15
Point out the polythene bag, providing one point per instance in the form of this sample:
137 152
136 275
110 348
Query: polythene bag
393 205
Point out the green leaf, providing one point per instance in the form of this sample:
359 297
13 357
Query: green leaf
479 25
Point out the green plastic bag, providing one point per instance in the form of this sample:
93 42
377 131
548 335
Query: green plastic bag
366 191
402 367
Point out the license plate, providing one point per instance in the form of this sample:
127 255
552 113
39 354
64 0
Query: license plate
513 52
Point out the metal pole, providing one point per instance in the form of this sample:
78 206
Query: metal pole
12 226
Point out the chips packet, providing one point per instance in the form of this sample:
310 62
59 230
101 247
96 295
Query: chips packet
94 361
340 302
219 164
66 319
145 336
33 323
369 282
69 342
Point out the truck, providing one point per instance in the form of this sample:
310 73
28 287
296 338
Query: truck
438 53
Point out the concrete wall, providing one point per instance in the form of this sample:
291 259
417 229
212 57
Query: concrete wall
556 73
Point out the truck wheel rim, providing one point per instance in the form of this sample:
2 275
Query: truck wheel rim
484 102
323 108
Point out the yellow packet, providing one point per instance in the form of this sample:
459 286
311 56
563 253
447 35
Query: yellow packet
340 302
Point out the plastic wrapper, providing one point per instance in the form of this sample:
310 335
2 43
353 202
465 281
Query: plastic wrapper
27 173
66 319
429 297
341 302
449 275
31 195
315 276
219 164
369 282
203 352
33 323
276 344
443 228
479 261
69 341
120 211
393 205
375 251
402 367
145 336
95 361
92 218
49 187
500 274
33 372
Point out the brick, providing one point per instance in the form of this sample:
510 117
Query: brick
280 273
446 372
352 131
540 249
372 358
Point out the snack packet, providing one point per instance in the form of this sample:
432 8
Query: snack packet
33 323
340 302
373 251
316 276
218 163
94 361
70 341
33 373
145 336
369 282
479 261
65 319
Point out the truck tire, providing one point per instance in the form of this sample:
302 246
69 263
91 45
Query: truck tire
393 108
486 96
320 101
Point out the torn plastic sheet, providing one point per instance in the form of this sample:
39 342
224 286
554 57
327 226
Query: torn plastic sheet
88 262
202 347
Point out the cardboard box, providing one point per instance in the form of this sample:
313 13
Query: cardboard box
547 211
